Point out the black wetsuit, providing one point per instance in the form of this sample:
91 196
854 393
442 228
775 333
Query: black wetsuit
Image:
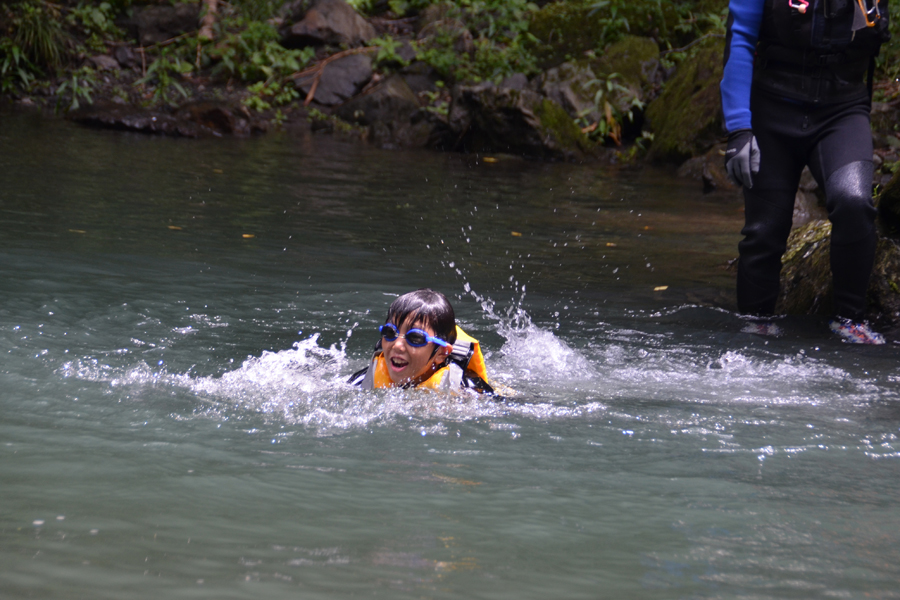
799 82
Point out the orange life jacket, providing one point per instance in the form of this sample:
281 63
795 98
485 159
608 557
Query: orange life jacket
465 357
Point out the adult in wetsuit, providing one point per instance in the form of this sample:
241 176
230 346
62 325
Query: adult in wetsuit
795 93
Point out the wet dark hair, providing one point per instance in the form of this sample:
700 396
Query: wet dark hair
428 308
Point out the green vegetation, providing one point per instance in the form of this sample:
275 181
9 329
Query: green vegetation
888 61
48 51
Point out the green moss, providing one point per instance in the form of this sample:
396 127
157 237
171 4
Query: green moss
627 57
564 31
686 119
806 271
567 30
556 121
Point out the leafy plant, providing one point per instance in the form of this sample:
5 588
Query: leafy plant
254 54
15 68
888 61
437 102
388 52
496 32
39 33
609 96
329 122
76 89
256 10
166 70
96 22
266 95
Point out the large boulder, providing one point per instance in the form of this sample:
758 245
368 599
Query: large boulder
686 119
806 271
572 86
806 285
339 80
324 23
505 119
391 112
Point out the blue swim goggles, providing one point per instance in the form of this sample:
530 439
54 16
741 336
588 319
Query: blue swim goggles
414 337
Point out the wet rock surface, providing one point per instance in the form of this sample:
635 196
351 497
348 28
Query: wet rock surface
192 120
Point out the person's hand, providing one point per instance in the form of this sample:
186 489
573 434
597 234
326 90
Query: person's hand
742 157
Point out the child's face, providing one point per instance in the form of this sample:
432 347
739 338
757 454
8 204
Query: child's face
407 363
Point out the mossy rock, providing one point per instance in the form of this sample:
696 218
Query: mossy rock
806 284
686 119
567 30
634 58
889 208
556 124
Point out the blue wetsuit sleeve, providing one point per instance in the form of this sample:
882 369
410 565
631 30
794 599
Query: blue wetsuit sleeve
744 22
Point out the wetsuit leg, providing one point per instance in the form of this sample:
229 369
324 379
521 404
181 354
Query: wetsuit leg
842 158
769 204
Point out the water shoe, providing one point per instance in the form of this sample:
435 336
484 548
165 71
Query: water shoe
855 332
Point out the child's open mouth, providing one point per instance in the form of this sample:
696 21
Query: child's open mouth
399 364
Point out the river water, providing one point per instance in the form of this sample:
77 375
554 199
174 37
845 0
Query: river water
178 319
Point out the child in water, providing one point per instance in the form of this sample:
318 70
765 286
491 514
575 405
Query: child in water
421 346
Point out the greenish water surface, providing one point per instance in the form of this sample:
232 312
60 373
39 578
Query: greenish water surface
178 319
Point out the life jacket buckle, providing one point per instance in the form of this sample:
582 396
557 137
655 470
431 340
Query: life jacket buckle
799 5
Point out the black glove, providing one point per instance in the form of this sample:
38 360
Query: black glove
742 157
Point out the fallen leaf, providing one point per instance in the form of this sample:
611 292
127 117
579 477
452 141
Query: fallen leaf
610 244
660 288
490 159
516 234
174 227
247 236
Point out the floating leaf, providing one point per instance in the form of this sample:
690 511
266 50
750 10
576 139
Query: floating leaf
490 159
247 236
174 227
516 234
660 288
